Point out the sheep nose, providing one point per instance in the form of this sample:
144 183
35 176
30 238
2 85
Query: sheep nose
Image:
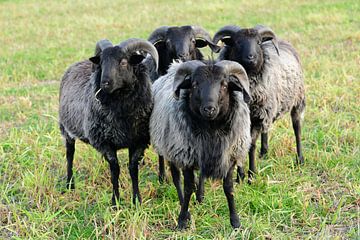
209 110
183 56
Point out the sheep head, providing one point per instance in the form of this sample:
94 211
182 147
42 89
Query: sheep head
180 43
210 87
115 64
245 46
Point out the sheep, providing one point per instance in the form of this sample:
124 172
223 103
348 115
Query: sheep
276 82
177 43
201 120
106 102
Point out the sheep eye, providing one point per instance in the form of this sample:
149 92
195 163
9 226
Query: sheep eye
259 43
123 63
224 87
194 86
193 40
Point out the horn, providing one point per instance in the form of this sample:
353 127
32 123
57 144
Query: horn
133 45
267 34
235 69
184 70
158 35
101 45
226 31
201 33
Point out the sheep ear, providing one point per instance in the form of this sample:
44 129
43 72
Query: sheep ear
136 59
184 83
159 43
200 43
95 59
240 82
228 41
268 35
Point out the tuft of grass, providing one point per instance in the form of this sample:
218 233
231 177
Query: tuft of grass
319 200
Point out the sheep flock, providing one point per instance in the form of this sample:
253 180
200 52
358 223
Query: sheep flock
202 117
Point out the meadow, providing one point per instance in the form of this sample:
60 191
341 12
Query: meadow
319 200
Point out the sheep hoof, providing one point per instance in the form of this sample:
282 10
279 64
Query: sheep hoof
235 221
300 160
240 175
138 197
183 221
161 179
199 197
263 154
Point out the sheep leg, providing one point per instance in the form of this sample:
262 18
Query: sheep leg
228 187
252 168
161 169
189 186
111 158
70 150
175 173
240 174
264 144
296 122
200 188
135 155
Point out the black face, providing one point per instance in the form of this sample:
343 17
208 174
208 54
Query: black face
116 68
180 42
209 92
246 50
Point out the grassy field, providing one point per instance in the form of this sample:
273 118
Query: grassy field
320 200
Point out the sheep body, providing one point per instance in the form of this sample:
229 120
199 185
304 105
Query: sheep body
106 101
278 88
206 128
276 81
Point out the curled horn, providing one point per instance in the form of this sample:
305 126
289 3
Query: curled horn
181 79
133 45
242 82
158 35
101 45
201 33
267 34
225 32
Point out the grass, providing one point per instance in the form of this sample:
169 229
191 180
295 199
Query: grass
320 200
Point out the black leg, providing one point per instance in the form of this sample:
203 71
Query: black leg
252 168
229 193
70 149
115 171
135 155
189 186
240 174
296 121
175 173
161 169
264 144
200 188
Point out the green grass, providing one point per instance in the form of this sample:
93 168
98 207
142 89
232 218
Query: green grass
320 200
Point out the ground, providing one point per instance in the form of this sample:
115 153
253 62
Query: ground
319 200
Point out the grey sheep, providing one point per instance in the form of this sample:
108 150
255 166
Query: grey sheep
276 81
106 101
201 121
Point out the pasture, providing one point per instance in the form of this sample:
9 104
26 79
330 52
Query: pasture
319 200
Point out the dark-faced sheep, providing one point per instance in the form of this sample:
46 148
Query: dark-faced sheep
106 101
201 121
177 43
276 81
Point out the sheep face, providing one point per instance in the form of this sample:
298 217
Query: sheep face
246 49
116 68
210 88
180 43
